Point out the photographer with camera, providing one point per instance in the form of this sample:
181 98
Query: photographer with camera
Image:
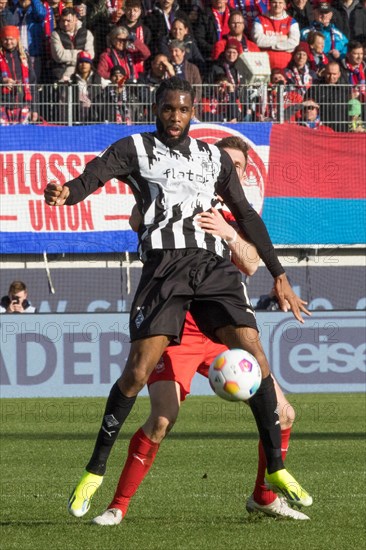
16 300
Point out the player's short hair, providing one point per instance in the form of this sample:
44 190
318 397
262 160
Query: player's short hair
234 142
174 84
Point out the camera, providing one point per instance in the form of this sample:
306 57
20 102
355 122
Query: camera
15 299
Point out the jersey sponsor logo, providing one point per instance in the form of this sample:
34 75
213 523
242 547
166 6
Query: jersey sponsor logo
256 173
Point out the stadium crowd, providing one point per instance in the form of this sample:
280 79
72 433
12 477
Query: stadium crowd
107 57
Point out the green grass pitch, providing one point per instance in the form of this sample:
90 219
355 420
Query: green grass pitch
194 497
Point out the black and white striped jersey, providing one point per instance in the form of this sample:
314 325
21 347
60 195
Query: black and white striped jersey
172 186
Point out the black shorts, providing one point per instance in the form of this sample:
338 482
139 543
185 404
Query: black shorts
175 281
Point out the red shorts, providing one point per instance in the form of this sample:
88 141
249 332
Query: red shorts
180 363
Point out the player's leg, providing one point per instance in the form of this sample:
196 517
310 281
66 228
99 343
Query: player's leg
264 407
157 310
144 445
264 499
144 355
169 384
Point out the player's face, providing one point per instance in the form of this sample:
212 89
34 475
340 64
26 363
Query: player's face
238 159
174 113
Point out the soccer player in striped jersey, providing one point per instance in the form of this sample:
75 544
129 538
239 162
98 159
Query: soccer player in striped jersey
170 382
175 178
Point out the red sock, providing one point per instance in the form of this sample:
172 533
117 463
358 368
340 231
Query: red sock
141 455
261 494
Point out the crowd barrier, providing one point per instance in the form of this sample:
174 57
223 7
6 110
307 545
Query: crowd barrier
66 104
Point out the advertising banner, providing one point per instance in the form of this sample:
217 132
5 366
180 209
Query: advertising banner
82 355
309 186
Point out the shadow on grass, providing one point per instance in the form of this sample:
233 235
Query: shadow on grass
56 436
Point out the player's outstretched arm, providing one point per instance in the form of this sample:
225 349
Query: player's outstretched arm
288 299
56 195
244 254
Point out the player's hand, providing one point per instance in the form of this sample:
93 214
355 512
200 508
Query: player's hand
213 222
56 195
287 299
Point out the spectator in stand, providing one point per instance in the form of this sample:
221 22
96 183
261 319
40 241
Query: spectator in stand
227 64
117 107
160 21
17 103
299 76
335 40
250 9
180 31
222 104
316 57
7 17
132 20
81 9
102 16
192 8
54 9
67 41
184 69
16 300
353 68
211 26
302 11
356 123
30 16
115 9
332 98
309 116
350 18
278 33
125 50
160 69
270 101
88 96
237 28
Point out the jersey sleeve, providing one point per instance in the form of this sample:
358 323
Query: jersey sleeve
118 161
248 220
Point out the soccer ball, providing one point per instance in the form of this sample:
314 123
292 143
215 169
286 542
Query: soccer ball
235 375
